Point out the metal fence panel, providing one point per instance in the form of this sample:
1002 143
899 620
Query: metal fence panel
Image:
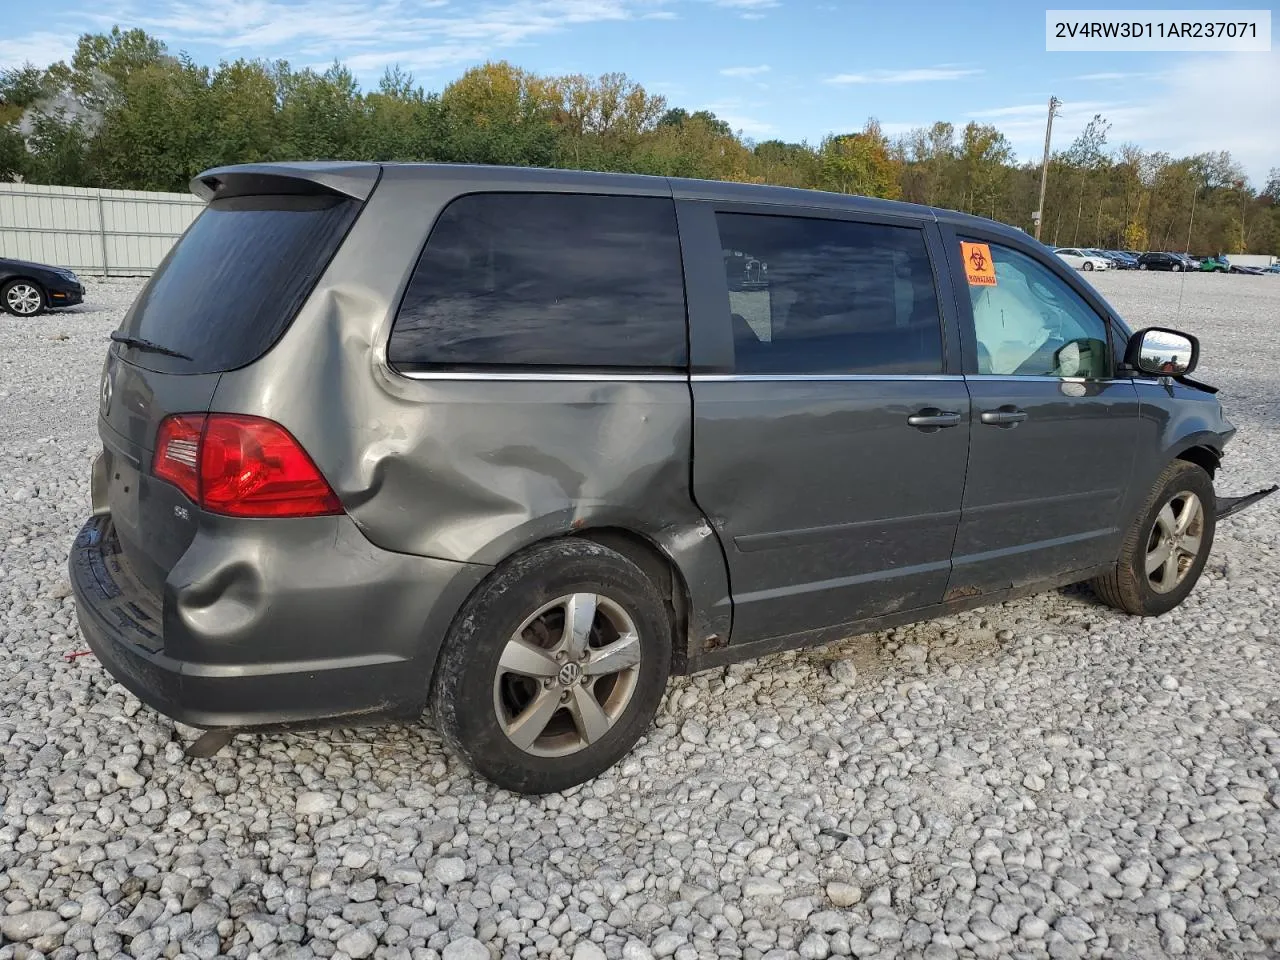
119 233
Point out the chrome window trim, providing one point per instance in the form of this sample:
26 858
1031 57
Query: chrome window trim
817 377
1010 377
534 376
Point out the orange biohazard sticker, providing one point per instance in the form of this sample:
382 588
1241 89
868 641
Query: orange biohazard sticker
979 268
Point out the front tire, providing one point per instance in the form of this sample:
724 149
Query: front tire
23 298
554 667
1166 547
1087 265
1176 268
1142 266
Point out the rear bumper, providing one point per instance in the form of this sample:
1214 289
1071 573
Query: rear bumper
307 653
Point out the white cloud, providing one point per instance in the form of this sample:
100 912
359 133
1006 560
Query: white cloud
1224 102
744 72
749 126
418 34
917 75
1203 103
734 112
41 48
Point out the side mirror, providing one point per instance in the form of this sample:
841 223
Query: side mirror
1161 352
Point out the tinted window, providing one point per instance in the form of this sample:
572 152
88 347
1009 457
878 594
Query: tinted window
810 296
546 280
231 286
1031 323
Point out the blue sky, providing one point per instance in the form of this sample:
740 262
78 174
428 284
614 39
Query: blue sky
772 68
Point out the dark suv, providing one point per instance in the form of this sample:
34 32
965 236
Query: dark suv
522 443
1163 261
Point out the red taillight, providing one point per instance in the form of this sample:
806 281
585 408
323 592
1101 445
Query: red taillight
177 456
241 467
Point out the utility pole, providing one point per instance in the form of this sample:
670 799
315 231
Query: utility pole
1194 193
1038 216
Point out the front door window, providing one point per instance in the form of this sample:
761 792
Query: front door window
1030 323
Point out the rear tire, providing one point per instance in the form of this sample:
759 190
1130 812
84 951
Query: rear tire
534 705
23 298
1159 563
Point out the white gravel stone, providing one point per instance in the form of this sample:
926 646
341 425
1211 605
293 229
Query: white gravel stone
761 887
450 870
25 927
843 894
309 803
1082 782
844 671
466 948
1074 929
358 943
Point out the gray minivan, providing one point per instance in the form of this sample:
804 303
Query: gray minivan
522 443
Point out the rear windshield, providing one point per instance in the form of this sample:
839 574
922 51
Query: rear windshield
232 285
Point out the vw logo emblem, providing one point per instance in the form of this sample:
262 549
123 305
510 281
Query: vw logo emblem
106 392
569 674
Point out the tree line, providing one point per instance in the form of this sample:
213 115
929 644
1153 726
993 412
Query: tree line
126 113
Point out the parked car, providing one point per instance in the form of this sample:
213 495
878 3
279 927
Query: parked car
1120 260
1162 261
1212 264
1274 268
27 289
1252 271
1192 263
522 443
1083 260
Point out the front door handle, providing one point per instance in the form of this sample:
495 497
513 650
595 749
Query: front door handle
1005 416
931 418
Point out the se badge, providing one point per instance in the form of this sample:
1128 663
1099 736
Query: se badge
979 268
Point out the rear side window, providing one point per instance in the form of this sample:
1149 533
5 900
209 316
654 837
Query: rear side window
811 296
234 282
546 280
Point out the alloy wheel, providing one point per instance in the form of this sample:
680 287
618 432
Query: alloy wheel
1174 542
567 674
23 299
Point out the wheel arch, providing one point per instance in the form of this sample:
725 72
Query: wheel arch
660 567
656 564
1202 455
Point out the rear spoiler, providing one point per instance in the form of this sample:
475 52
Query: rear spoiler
355 180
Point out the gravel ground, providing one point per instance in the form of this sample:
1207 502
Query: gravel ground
1040 778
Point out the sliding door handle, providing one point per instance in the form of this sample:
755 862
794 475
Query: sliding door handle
931 418
1003 416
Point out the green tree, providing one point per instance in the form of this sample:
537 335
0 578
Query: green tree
859 163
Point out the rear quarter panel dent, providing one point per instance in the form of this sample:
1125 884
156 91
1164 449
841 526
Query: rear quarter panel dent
469 470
